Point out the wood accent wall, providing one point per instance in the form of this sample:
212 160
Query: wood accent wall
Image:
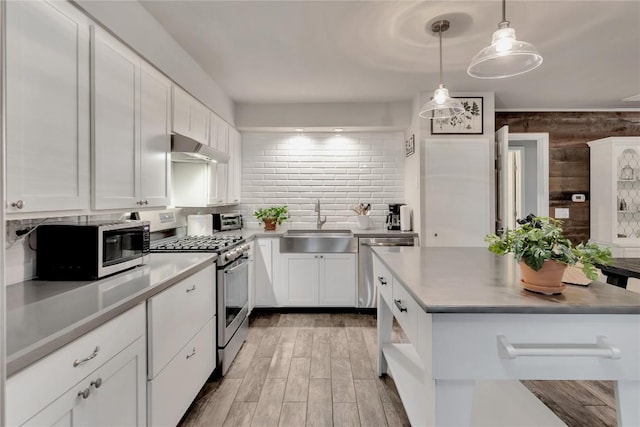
569 133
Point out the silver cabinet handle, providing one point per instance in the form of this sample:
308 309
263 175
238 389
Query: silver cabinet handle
146 202
191 289
97 383
18 205
381 280
84 393
398 304
93 355
193 353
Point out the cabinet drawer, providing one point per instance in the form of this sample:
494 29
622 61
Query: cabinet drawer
383 279
172 391
177 314
29 390
406 311
559 336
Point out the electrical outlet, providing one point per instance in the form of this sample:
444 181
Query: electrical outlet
561 213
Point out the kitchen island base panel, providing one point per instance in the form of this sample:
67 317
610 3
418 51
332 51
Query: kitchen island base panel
455 376
628 402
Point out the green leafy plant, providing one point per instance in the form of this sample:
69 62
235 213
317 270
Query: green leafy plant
537 239
275 213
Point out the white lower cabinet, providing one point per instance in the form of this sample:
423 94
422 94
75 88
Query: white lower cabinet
264 272
97 380
175 387
327 280
182 343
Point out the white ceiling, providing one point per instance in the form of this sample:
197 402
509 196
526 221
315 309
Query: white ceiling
372 51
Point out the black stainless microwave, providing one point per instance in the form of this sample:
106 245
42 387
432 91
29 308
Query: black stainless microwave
90 250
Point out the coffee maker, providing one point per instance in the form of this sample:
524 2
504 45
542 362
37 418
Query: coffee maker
393 219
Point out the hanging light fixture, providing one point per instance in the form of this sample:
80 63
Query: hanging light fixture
441 105
506 56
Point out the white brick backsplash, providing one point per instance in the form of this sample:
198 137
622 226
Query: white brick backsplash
279 168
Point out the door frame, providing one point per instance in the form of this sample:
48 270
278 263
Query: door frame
542 174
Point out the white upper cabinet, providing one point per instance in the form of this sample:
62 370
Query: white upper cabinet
190 117
155 139
130 146
47 98
234 172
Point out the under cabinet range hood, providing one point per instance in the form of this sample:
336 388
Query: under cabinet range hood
188 150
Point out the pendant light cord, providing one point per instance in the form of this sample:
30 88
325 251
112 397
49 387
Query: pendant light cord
504 10
440 36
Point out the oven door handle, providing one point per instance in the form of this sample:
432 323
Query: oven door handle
237 267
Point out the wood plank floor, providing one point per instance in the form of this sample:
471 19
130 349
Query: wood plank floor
318 369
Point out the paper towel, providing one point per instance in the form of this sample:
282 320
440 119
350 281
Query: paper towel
200 225
405 218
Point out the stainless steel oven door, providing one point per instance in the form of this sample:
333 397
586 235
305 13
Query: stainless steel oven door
233 298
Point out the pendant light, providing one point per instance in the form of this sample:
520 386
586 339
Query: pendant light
506 56
441 105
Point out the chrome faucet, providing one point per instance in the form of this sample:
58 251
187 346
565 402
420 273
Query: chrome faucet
319 222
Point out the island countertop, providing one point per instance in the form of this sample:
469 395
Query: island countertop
42 316
473 280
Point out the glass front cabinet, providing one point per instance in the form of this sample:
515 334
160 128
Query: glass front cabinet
615 194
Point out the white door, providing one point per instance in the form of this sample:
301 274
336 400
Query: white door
502 178
301 278
47 98
116 74
155 140
337 280
458 191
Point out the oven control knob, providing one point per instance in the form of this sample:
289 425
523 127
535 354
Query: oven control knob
228 256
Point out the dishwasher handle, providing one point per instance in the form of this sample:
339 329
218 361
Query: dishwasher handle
388 244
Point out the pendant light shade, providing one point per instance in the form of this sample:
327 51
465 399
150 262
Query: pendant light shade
441 105
506 56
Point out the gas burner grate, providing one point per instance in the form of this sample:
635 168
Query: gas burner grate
197 244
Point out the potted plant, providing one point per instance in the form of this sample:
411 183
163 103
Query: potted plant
544 252
272 216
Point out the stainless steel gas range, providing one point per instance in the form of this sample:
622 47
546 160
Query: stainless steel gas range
232 287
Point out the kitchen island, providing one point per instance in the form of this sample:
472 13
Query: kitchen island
474 332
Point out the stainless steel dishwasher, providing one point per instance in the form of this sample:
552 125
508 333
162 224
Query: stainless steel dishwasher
367 294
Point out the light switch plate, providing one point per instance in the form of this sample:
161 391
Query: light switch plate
561 213
578 198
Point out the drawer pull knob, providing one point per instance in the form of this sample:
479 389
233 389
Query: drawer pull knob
193 353
84 393
93 355
97 383
399 305
18 205
601 348
191 289
381 280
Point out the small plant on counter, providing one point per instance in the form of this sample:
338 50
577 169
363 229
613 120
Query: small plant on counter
272 216
537 240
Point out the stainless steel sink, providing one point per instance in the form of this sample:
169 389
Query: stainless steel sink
318 241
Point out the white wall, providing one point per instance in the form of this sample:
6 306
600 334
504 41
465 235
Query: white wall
139 29
284 168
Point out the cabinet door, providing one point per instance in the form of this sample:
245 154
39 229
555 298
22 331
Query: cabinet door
263 274
115 395
458 185
120 399
199 122
300 275
181 108
337 280
115 79
235 168
155 140
47 97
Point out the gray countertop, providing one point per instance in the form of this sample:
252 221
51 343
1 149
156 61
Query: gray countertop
43 316
473 280
250 233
